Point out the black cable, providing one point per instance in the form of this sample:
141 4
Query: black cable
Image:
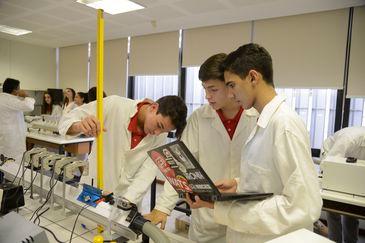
77 217
16 175
45 202
48 194
47 197
18 184
53 234
12 182
31 183
39 217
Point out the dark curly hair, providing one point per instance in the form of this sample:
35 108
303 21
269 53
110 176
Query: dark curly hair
174 107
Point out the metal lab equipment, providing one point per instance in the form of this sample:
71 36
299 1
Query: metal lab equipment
343 175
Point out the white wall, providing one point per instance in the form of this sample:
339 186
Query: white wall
34 66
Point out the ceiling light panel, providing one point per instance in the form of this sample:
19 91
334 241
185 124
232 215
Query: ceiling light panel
112 6
13 31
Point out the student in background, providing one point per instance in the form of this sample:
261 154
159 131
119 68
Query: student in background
49 107
214 134
132 128
92 94
347 142
68 103
275 158
13 102
81 98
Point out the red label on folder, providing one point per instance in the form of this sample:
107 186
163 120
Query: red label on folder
179 182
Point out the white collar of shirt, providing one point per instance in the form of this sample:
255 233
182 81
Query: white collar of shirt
269 110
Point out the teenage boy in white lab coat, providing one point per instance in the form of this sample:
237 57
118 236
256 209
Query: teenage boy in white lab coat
276 158
132 128
214 133
347 142
13 102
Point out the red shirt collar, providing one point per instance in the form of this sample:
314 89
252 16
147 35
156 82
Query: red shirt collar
133 124
230 124
236 118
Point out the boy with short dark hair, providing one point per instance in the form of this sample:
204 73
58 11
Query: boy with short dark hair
275 158
214 134
132 128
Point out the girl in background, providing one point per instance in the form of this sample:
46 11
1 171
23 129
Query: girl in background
49 107
81 98
68 103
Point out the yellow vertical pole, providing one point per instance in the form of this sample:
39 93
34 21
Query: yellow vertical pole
100 84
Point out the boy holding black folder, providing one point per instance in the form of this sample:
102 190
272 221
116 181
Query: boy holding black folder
275 158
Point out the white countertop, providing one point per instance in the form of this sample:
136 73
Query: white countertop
58 139
300 236
343 197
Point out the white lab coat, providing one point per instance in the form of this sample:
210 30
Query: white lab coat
12 125
347 142
56 110
70 106
276 158
126 172
207 138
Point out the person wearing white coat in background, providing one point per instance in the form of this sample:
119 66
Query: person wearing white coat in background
49 107
276 158
132 128
347 142
217 146
13 102
69 103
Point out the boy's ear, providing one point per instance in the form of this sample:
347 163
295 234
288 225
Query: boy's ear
254 76
154 107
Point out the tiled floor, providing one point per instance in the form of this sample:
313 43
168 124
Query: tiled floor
59 223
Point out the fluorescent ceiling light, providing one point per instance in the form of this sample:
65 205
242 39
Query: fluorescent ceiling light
13 30
112 6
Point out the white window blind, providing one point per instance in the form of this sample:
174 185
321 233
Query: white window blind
155 54
201 43
73 67
308 50
115 66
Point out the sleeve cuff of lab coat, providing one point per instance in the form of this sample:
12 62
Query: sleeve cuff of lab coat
62 129
220 213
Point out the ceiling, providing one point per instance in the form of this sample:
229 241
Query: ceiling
57 23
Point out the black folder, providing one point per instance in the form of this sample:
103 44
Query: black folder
185 175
